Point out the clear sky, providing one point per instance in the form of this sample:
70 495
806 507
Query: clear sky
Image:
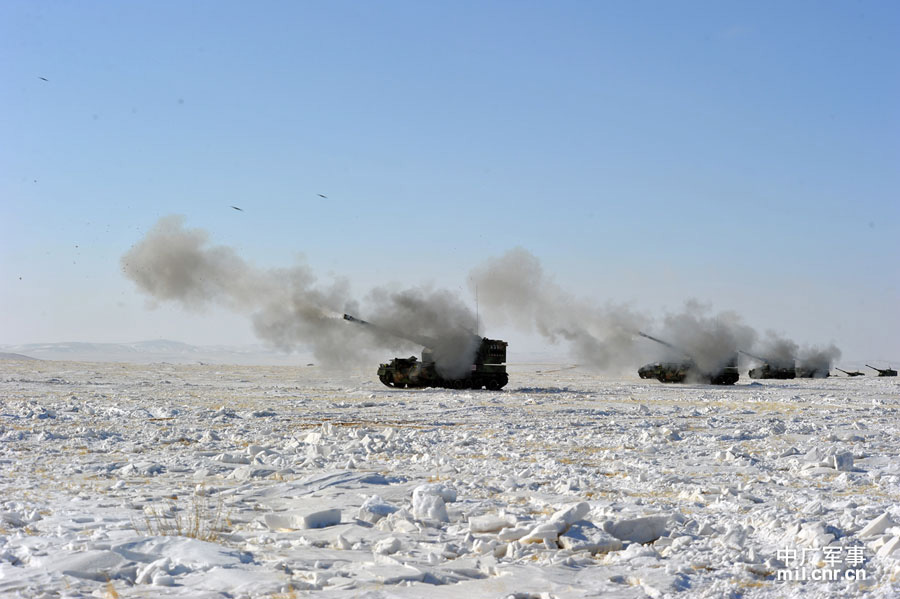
743 154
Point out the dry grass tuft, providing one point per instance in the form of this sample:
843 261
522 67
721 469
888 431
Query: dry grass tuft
200 520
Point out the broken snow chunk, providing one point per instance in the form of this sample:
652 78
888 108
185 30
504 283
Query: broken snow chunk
812 534
146 574
430 507
546 531
253 450
428 501
484 546
248 472
571 514
638 530
889 548
513 534
876 526
231 458
487 523
387 546
374 509
303 520
669 434
814 455
448 494
585 536
11 519
842 461
342 543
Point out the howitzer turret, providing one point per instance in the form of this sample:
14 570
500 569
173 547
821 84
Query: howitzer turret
687 368
853 373
767 371
884 371
487 367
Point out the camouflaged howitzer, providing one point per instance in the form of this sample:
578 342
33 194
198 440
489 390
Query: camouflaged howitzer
853 373
884 371
488 367
767 371
687 369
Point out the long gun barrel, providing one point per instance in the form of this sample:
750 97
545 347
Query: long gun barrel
884 371
854 373
666 343
748 354
423 341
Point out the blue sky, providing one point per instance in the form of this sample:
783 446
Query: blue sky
744 154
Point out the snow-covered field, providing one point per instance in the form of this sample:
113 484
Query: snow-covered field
292 481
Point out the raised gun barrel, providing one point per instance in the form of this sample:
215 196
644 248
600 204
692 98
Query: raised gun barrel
357 320
853 373
423 341
767 370
757 358
666 343
884 371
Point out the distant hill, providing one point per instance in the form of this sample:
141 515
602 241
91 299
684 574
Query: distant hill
6 356
147 352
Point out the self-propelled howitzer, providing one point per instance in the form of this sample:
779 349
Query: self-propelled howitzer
851 373
884 371
767 371
687 368
488 367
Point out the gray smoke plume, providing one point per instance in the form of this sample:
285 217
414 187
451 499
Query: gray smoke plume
817 361
289 309
436 319
712 341
778 351
514 289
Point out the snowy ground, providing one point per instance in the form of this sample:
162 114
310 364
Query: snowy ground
565 484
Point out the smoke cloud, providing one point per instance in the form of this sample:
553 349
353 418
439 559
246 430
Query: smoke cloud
777 351
290 309
712 341
816 361
514 289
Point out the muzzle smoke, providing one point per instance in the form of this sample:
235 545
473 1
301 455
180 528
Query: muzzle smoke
290 309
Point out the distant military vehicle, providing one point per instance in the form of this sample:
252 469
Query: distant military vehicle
884 371
687 369
767 371
488 367
852 373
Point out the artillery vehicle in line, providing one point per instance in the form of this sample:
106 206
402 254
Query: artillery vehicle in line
767 371
488 367
884 371
687 369
851 373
